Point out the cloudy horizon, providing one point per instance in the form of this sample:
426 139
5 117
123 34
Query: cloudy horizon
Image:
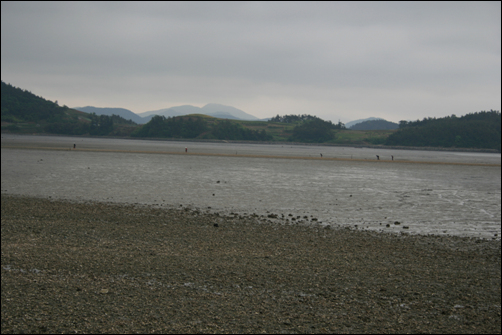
337 60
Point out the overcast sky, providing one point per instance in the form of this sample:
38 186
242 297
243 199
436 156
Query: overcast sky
336 60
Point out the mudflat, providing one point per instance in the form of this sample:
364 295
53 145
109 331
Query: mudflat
114 268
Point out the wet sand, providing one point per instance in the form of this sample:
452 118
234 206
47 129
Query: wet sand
244 155
262 150
98 267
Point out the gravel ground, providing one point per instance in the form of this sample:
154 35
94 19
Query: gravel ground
108 268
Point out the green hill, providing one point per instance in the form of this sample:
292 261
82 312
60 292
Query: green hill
200 127
19 105
479 130
25 112
375 125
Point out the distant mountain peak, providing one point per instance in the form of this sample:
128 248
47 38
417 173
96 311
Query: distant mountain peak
211 109
125 113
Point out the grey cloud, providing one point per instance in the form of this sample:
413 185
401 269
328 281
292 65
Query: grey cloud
300 48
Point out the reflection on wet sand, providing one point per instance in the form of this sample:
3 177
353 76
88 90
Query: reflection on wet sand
457 196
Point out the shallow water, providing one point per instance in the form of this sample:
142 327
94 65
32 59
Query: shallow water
452 198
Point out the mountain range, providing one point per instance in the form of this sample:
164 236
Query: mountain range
215 110
212 109
125 113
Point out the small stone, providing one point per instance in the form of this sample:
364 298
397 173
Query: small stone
216 225
104 291
397 222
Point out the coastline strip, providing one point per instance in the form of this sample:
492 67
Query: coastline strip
397 161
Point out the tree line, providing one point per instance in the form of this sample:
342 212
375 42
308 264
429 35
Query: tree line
198 127
291 118
99 125
309 128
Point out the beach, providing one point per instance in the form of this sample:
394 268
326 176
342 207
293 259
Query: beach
458 194
96 267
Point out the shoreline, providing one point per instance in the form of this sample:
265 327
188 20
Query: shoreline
104 267
474 150
397 161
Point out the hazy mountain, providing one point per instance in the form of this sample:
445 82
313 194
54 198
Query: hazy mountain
216 110
212 109
174 111
125 113
375 125
351 123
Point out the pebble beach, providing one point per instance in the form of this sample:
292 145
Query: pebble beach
95 267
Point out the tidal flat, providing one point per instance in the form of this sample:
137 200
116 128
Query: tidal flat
122 236
426 192
94 267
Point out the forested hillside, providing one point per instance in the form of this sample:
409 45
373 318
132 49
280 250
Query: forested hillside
26 112
19 105
309 128
198 126
476 130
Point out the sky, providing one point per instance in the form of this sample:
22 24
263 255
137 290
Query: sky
340 61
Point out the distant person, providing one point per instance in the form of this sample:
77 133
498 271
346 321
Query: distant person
378 157
321 155
74 145
392 157
186 149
